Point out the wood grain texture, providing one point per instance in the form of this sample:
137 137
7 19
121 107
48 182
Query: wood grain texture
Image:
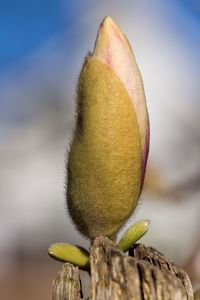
144 274
67 285
115 275
155 258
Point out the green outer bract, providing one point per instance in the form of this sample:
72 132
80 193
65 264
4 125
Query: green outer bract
105 158
76 255
133 234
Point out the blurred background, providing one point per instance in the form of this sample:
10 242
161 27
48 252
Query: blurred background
43 44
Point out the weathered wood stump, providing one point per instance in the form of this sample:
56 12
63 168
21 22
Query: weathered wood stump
144 274
67 284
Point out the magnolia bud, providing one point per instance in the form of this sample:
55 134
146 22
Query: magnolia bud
107 157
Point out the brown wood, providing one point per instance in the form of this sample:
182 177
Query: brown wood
155 258
144 274
117 276
67 285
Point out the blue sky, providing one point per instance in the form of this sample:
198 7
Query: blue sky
25 25
67 29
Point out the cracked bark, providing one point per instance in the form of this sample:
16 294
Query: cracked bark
67 285
144 274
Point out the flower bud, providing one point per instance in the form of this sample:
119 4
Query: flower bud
113 48
108 153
